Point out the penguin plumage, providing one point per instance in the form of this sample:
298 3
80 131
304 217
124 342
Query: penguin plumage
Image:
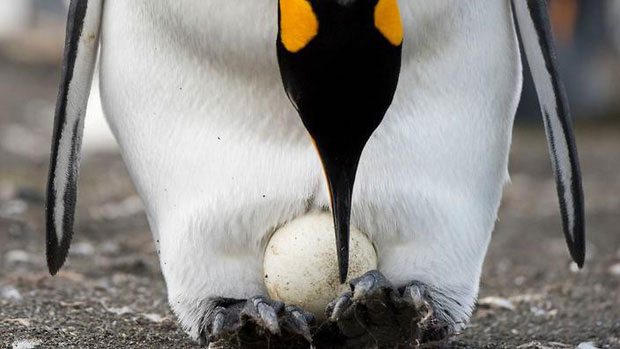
193 93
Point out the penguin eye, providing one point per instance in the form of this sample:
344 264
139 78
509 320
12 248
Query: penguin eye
388 21
298 24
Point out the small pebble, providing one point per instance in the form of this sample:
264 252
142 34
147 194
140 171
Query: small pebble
120 311
496 303
587 345
156 318
22 322
17 256
615 269
83 248
537 311
26 344
10 292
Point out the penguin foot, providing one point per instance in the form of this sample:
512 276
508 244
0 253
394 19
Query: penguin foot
375 313
258 322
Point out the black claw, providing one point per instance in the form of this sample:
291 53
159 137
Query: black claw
218 322
369 284
263 312
338 306
416 294
299 322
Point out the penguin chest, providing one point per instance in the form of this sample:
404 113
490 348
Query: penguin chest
209 63
193 94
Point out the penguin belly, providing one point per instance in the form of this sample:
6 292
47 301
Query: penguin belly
192 92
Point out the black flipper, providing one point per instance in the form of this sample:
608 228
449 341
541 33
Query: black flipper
81 46
535 29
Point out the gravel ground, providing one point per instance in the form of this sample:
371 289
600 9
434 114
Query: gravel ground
111 293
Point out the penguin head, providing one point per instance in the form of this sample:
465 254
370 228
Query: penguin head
340 62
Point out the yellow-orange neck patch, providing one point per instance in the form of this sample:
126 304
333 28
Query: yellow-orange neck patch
388 21
298 24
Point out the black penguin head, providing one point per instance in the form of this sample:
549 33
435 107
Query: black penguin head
340 61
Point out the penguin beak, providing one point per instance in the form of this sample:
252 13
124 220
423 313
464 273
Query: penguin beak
340 169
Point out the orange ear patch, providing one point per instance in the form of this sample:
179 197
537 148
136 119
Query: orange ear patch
388 21
298 24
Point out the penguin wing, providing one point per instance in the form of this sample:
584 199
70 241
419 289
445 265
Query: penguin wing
82 38
534 26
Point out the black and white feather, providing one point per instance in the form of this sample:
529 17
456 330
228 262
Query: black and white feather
533 21
77 72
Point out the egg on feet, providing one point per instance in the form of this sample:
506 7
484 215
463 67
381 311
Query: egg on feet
300 263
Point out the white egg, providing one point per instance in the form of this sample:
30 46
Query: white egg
301 267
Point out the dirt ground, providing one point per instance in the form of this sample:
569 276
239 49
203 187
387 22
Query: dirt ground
111 294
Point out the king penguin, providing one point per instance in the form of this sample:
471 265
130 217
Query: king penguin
235 117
